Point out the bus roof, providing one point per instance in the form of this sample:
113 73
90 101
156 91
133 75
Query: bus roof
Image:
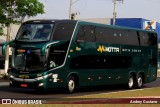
84 22
116 26
47 21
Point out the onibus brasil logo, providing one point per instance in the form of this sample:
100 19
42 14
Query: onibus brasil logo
102 48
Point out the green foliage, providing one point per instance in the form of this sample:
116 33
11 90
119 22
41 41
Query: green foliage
14 11
1 30
28 8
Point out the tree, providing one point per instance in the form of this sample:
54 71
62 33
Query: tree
14 11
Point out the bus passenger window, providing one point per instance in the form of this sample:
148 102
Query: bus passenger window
152 39
80 34
143 38
86 33
63 31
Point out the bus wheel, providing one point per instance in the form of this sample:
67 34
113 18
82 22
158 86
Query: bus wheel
139 81
71 85
130 82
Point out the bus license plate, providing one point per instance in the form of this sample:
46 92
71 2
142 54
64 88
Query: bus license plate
24 85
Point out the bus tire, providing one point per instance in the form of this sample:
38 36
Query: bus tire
139 81
71 85
130 83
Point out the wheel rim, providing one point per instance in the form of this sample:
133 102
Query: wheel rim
130 82
71 85
140 81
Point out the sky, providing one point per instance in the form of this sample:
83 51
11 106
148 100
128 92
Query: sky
59 9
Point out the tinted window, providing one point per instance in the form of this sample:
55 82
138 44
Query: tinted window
63 31
148 39
130 37
35 32
104 34
100 62
116 36
152 39
29 60
86 33
143 38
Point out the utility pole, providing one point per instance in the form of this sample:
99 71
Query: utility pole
70 10
114 11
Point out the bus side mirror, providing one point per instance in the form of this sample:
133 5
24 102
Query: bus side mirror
5 46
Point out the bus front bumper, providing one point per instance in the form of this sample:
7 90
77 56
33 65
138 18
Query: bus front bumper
28 83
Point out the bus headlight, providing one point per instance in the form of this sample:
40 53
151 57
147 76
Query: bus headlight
11 76
39 78
43 77
41 84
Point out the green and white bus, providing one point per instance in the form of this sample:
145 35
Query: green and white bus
68 54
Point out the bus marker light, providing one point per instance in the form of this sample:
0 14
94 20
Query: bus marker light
71 50
21 50
78 49
61 80
24 85
90 79
99 78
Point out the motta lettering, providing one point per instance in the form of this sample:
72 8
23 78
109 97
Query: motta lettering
112 49
108 49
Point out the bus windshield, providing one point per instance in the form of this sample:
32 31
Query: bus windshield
35 32
29 60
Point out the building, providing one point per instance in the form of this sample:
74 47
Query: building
139 23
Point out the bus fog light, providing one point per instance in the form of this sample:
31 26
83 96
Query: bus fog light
40 84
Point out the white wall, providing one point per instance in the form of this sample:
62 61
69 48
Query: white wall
14 30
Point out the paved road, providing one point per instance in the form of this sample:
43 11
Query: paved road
8 92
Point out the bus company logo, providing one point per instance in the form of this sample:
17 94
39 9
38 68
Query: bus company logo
150 25
23 76
107 49
101 49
